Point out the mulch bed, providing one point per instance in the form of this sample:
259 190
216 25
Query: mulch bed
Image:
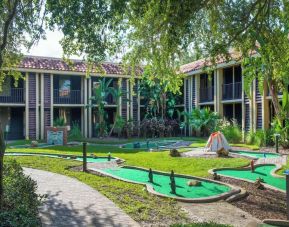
262 204
272 150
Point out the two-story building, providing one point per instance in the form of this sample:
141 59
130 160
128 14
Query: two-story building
51 88
223 91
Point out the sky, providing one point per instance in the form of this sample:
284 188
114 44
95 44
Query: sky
49 47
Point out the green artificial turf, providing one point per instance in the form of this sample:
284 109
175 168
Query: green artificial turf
161 183
257 154
263 172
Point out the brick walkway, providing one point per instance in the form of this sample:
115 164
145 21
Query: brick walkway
72 203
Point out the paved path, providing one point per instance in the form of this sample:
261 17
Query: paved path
219 212
282 160
72 203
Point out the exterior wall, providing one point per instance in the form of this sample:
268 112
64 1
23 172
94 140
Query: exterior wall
32 105
254 114
39 103
124 102
135 104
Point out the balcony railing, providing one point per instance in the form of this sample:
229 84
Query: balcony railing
13 95
67 97
207 94
232 91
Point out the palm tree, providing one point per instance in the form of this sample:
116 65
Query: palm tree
203 120
118 121
98 100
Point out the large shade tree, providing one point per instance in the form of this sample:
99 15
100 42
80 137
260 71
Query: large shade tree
21 24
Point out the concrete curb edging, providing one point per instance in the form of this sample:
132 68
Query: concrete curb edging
273 173
276 222
61 156
234 190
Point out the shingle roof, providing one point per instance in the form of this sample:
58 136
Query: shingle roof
199 64
58 64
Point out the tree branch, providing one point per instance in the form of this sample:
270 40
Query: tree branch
7 24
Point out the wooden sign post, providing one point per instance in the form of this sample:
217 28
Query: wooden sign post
84 156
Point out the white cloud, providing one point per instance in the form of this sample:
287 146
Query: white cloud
49 47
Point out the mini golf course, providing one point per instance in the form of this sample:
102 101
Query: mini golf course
261 171
256 154
76 158
150 144
207 191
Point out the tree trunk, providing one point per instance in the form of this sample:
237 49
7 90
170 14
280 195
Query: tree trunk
275 100
2 152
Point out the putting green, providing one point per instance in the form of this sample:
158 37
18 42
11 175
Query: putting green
263 172
162 183
256 154
78 158
150 144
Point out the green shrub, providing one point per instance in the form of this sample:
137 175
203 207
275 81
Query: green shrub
59 122
20 199
75 132
282 128
260 137
231 130
203 121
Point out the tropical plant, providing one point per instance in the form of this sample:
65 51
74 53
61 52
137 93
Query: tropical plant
282 128
159 100
260 137
231 130
59 122
118 121
98 100
204 121
119 124
75 132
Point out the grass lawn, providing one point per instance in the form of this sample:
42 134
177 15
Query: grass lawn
132 198
196 141
155 160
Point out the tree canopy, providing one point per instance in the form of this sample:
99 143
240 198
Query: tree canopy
21 23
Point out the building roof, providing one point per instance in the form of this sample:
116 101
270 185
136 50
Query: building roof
58 64
199 64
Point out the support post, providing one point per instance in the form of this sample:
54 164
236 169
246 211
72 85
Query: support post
287 195
277 142
84 156
27 106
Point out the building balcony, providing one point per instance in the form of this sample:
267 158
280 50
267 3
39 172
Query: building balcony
232 91
67 96
13 95
207 94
